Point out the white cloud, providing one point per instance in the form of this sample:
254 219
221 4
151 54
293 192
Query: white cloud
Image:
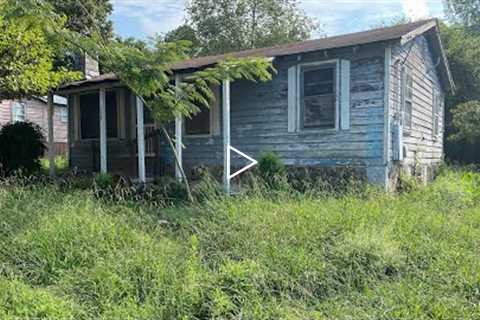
415 9
147 17
153 16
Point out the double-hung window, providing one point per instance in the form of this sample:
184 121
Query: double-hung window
318 96
18 111
407 98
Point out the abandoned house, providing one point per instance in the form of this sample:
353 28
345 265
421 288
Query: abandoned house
371 100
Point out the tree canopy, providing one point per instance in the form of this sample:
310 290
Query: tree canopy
465 12
80 15
222 26
462 43
27 53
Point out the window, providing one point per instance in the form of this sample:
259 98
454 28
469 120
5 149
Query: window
199 123
407 101
18 111
207 120
318 96
64 115
90 117
437 106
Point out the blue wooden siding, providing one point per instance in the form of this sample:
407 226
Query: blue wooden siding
259 118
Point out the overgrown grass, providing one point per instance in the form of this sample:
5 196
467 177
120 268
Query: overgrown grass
67 255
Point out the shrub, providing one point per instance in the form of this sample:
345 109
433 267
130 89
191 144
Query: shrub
61 164
104 181
21 146
271 169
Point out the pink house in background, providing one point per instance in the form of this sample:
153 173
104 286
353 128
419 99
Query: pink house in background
35 110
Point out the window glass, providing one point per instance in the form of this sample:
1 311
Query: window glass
18 111
318 97
90 117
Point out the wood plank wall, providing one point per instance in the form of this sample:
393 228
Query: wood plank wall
422 147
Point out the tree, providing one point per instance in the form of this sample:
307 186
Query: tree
82 14
466 118
185 32
462 44
27 54
465 12
223 26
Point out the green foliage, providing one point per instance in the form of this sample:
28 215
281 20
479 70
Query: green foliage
81 15
61 164
271 168
225 26
186 33
463 51
407 183
409 256
19 301
21 146
466 12
104 180
146 71
466 119
27 53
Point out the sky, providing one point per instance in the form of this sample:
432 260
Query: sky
144 18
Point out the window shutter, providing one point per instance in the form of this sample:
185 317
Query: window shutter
215 111
292 99
344 94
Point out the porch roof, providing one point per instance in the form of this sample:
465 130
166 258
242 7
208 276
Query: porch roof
405 32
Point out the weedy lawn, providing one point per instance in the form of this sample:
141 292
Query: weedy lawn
68 255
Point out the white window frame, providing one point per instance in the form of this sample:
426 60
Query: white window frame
79 119
336 65
19 116
406 72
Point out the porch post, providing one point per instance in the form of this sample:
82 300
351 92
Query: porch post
141 141
103 131
226 135
178 138
51 142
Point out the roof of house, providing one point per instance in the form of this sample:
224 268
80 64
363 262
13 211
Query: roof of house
405 32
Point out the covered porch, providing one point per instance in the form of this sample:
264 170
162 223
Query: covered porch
112 131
